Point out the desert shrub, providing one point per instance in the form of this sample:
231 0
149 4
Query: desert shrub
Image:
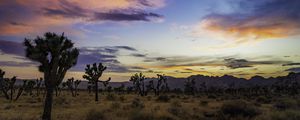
110 97
284 104
203 103
115 105
95 115
176 103
176 110
285 115
122 98
164 117
137 115
263 100
173 96
137 103
61 101
163 98
210 96
149 98
238 109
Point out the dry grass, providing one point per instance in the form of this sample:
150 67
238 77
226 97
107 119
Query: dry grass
120 107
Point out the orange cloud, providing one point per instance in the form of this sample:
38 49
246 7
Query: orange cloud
267 20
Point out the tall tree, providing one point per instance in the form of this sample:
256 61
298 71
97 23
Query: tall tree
3 84
56 55
138 83
92 74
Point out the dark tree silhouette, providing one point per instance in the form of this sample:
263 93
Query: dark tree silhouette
105 83
20 91
92 74
38 86
76 84
56 55
190 86
3 84
138 83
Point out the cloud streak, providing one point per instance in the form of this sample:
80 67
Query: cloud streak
19 17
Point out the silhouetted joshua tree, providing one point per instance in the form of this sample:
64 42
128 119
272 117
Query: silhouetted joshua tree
20 91
8 87
190 86
29 87
138 83
69 84
161 84
56 55
92 74
76 84
105 83
38 86
2 84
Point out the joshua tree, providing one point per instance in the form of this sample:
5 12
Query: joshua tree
92 74
38 86
20 91
29 87
138 83
56 55
69 83
11 82
105 83
7 86
76 84
190 86
3 84
161 83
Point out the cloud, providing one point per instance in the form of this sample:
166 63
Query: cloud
234 63
17 64
296 69
9 47
254 21
108 55
19 17
138 55
291 64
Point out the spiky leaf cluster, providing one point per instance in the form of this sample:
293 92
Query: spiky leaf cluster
55 53
94 72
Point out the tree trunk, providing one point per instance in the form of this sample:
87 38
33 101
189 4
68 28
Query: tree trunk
5 93
96 91
48 104
11 93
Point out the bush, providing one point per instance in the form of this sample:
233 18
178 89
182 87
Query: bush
122 98
163 98
137 103
263 100
176 110
284 104
115 105
110 97
95 115
285 115
203 103
61 101
237 109
176 103
137 115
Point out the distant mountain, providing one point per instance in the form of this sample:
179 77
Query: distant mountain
225 81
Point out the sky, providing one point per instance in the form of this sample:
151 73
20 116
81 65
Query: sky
177 38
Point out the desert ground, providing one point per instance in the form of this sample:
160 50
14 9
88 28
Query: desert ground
167 106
